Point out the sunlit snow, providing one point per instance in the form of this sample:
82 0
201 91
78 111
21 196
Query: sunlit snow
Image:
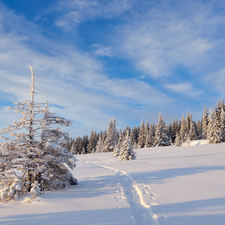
164 185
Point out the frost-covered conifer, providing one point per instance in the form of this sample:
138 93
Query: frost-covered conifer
183 129
213 132
73 149
111 138
99 145
83 151
192 131
205 121
199 130
134 136
177 141
91 143
120 141
116 151
161 137
126 151
34 157
222 117
150 139
141 136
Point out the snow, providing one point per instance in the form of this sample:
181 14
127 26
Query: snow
164 185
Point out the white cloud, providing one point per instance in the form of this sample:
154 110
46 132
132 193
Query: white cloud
185 88
216 80
164 36
67 77
102 50
77 11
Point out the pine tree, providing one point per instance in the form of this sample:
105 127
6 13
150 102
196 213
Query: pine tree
213 131
91 143
161 137
141 135
116 151
120 141
174 130
99 146
177 141
111 138
150 139
126 151
205 121
73 149
192 132
222 118
134 136
34 160
183 129
199 130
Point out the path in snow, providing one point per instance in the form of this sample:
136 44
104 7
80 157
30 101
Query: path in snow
134 193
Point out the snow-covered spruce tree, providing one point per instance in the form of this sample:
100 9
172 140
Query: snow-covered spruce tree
91 144
134 136
73 149
116 151
141 136
213 132
177 141
192 131
161 137
183 129
120 140
111 138
99 145
126 151
205 121
150 139
33 159
222 117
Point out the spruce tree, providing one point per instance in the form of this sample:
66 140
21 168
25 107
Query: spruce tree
205 121
222 118
192 132
213 131
34 160
111 138
126 151
134 136
150 139
141 135
177 141
116 151
91 143
99 146
161 137
183 129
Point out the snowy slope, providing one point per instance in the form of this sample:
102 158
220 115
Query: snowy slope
165 185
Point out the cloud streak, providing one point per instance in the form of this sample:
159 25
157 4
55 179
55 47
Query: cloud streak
67 77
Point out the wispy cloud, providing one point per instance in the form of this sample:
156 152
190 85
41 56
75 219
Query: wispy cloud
216 81
77 11
100 50
167 35
67 77
185 88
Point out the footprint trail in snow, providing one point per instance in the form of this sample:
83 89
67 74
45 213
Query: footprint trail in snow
134 193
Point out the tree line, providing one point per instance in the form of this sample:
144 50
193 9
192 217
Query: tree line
146 135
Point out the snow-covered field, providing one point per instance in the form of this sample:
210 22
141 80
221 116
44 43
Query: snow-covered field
165 185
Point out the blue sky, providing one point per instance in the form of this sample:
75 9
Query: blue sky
127 58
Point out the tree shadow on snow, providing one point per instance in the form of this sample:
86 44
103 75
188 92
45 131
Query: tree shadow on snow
200 212
97 186
84 217
161 176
